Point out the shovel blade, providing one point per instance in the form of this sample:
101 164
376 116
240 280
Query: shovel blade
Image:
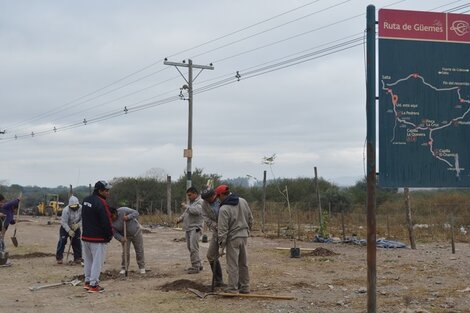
198 293
15 241
75 282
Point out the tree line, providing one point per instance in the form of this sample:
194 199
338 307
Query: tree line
149 194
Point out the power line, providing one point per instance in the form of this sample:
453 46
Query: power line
55 111
280 65
229 80
93 93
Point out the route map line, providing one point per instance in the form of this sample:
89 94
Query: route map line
431 128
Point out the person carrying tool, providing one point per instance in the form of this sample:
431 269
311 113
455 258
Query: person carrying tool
7 212
234 226
70 227
97 232
133 234
7 217
192 224
210 213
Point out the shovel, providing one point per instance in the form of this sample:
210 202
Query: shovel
13 239
202 295
68 251
124 246
74 282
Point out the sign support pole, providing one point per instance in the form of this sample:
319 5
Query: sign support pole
371 167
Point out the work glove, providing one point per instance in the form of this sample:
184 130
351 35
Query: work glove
74 227
71 233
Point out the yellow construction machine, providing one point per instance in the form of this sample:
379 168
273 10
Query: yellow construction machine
50 206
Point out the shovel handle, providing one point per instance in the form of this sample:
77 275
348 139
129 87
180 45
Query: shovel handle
34 288
253 295
74 282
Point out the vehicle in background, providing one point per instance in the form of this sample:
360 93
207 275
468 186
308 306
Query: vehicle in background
50 206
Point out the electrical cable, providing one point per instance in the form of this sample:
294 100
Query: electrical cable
254 73
69 103
115 89
224 82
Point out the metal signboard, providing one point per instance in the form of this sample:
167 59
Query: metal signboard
424 99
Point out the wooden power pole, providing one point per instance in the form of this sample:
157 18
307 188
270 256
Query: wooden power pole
188 153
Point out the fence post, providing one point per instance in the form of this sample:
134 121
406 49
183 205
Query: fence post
408 219
452 229
168 196
263 217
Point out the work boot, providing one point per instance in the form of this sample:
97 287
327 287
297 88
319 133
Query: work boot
122 271
219 284
193 270
60 262
230 290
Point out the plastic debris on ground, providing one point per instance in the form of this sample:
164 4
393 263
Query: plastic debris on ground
381 242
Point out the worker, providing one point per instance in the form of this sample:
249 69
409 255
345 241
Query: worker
97 233
133 234
192 224
210 213
234 226
70 227
7 212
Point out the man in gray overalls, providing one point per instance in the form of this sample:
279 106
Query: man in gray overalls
210 212
192 224
234 226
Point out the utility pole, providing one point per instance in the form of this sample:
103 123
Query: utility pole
188 153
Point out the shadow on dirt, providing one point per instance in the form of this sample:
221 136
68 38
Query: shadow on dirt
31 255
114 275
184 284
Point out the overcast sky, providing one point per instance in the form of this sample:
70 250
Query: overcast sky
66 62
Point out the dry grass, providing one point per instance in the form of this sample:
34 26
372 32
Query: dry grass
431 215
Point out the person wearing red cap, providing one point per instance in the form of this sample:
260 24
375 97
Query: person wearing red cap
234 226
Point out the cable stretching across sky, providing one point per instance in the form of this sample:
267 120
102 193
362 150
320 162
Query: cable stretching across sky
229 78
82 99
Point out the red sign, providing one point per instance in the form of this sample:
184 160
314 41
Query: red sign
424 25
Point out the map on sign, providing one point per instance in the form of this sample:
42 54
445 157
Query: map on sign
424 99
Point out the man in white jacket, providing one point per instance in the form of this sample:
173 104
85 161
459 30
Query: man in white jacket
70 227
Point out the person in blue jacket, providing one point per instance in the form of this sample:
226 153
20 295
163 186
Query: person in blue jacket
97 232
7 212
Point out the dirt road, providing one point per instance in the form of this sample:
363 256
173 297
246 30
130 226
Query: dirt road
333 280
